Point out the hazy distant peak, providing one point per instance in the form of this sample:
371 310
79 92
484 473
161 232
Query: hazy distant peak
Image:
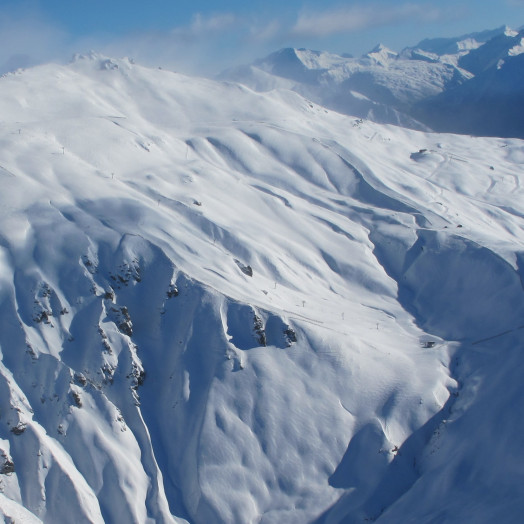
300 65
381 48
381 54
388 87
318 59
454 45
510 32
518 48
506 43
305 58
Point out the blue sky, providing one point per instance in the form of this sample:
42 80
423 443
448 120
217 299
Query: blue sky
205 36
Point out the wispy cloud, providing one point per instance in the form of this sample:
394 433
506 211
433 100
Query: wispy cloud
202 46
206 26
267 31
318 24
208 43
27 38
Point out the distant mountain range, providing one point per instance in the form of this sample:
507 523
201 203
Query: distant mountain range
472 84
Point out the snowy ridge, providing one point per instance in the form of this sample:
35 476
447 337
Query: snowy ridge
448 47
491 102
218 305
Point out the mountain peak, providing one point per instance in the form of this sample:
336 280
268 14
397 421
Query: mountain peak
303 65
99 61
381 47
381 54
461 44
510 32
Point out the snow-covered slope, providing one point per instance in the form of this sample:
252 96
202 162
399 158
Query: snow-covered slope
218 305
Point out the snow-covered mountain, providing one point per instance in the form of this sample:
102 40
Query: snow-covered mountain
469 84
455 48
491 103
380 86
218 305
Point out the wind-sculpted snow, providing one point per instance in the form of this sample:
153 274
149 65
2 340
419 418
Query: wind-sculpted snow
218 305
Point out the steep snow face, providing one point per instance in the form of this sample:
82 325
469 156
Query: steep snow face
218 305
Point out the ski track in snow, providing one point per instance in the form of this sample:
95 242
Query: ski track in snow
224 306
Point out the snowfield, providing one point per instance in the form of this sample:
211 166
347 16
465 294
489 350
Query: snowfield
223 306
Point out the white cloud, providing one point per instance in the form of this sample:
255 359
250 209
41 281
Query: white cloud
204 27
317 24
26 39
205 45
271 30
208 43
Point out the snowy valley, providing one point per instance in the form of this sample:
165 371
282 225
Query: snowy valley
219 305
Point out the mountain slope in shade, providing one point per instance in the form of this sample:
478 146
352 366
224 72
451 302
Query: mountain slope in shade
489 104
493 52
218 305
